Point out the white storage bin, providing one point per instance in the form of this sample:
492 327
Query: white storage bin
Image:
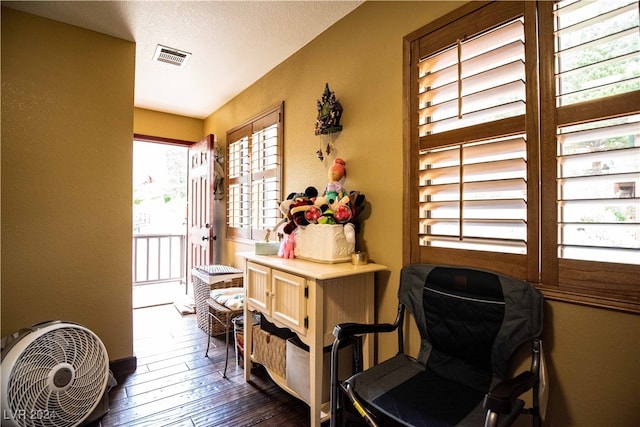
298 369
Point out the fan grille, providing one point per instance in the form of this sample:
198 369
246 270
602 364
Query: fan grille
58 378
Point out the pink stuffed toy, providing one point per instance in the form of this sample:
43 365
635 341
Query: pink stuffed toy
287 246
334 190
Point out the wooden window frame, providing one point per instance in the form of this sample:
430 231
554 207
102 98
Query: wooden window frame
269 117
601 284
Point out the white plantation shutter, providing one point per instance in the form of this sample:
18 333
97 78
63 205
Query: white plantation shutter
254 176
522 145
474 196
598 57
598 200
597 49
265 185
473 185
238 202
476 81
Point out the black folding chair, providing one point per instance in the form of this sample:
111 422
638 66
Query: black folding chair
470 322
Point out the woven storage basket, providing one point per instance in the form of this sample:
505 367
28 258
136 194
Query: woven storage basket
202 291
222 313
270 351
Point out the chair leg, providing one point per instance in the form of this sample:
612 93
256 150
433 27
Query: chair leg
227 330
235 343
226 338
338 414
206 354
535 409
334 385
366 416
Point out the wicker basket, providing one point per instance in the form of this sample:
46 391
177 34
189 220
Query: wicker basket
270 351
202 291
223 314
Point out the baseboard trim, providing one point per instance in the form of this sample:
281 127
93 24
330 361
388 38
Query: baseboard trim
122 368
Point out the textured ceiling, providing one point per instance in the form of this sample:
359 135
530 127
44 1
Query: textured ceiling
233 43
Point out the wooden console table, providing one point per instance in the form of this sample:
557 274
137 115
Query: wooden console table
309 298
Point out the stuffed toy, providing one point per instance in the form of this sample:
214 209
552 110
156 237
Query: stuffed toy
321 203
285 209
327 218
287 246
342 211
311 192
312 214
356 203
298 208
337 174
295 207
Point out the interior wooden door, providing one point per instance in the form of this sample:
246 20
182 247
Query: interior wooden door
201 199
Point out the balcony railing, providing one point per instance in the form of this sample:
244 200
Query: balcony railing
158 258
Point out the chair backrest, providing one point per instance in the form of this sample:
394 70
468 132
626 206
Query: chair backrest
470 320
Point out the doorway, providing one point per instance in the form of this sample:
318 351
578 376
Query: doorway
159 224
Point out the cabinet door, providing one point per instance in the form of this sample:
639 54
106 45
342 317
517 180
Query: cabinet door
258 287
288 301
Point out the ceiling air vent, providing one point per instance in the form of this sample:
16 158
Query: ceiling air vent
171 56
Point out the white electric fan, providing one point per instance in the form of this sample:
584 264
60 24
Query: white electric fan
54 374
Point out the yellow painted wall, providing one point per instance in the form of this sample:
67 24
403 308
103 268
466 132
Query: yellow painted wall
594 366
593 355
165 125
67 125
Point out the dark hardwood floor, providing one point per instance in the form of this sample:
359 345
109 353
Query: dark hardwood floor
176 385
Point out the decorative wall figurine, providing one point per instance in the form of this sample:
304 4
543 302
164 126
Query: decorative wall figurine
329 113
327 152
328 124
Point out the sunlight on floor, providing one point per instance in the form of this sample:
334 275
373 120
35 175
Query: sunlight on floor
160 323
157 294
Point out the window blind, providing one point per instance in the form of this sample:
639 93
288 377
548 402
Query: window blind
238 206
473 196
473 191
598 56
598 200
254 175
541 183
264 183
597 49
478 80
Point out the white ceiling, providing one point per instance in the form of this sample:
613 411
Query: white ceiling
233 42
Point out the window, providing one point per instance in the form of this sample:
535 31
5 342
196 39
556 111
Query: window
255 171
593 139
473 190
598 174
523 145
597 56
471 142
474 195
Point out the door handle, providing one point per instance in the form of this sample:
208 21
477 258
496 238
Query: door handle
207 238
